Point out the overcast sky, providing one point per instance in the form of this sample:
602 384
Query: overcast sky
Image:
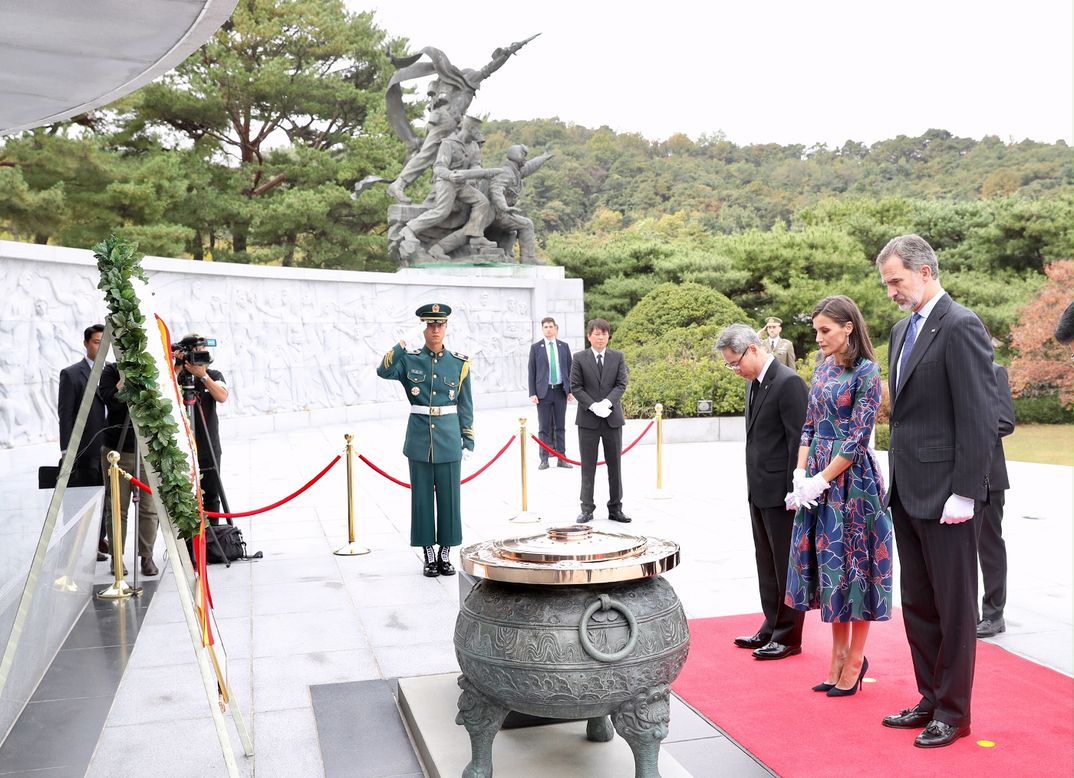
760 71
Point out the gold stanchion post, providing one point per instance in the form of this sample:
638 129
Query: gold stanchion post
119 590
659 493
526 516
352 548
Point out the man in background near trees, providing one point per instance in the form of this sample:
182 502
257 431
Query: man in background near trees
73 380
988 516
598 380
780 348
549 379
943 431
775 412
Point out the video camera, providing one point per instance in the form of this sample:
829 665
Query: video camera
186 350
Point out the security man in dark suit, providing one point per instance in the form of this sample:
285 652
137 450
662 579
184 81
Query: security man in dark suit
439 435
943 432
598 380
991 550
775 412
73 380
87 469
549 382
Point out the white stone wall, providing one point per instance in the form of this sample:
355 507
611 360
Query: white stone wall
292 344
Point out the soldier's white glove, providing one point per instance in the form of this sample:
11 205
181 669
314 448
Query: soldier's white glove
956 510
466 454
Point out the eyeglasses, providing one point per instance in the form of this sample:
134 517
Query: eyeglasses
735 365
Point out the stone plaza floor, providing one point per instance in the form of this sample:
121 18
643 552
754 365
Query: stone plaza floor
300 622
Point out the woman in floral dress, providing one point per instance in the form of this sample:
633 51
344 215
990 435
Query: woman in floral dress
841 542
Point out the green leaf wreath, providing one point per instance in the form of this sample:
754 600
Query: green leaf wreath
119 261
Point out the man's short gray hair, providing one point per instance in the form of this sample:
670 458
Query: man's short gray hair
738 338
914 251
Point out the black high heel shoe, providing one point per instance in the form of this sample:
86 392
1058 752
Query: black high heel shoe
823 687
835 691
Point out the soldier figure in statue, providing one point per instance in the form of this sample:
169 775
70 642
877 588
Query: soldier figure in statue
505 187
458 153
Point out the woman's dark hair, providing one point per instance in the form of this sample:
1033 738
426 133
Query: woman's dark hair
841 309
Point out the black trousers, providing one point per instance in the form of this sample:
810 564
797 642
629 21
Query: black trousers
938 582
992 554
552 420
772 546
211 489
611 438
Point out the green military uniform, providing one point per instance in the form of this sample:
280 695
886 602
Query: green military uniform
440 427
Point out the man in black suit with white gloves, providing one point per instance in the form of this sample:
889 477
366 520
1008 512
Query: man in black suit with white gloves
598 380
943 431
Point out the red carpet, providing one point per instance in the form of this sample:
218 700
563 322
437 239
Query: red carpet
1026 710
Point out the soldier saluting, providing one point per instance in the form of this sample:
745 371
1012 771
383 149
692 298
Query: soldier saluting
439 435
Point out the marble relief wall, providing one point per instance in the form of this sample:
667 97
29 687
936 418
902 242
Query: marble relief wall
288 340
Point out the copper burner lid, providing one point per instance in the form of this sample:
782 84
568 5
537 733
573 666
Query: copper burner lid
576 554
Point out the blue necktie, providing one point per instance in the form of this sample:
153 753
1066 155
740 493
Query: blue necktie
908 345
554 374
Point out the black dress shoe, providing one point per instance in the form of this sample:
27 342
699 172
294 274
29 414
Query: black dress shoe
752 641
101 557
148 567
774 650
620 517
987 628
938 734
563 463
543 465
443 561
911 718
431 568
584 517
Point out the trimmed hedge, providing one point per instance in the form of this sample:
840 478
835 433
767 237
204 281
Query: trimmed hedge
678 325
1042 409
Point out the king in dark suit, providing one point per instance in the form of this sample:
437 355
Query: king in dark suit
775 411
944 425
549 384
598 380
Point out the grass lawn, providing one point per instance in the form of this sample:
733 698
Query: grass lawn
1046 444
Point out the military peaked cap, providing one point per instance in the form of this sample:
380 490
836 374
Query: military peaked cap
433 312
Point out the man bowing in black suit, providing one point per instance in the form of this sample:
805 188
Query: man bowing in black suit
944 424
549 377
598 380
775 411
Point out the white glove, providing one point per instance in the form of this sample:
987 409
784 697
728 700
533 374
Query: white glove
810 490
598 409
956 510
791 501
467 454
607 404
798 477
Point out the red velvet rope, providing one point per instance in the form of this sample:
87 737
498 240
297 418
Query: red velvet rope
499 453
276 504
467 479
637 440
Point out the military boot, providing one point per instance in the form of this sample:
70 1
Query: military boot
443 563
430 570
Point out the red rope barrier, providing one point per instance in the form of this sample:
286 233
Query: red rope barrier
277 504
556 454
467 479
390 477
499 453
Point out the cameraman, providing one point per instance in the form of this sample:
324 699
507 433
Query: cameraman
206 388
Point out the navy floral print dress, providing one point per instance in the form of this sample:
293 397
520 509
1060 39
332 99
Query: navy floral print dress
841 549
